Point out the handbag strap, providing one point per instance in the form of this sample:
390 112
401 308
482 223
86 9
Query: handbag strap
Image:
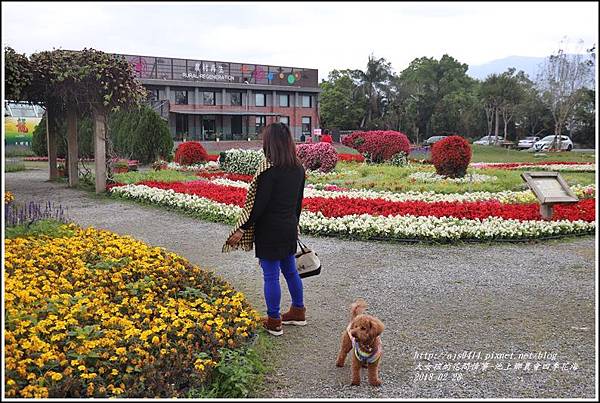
303 247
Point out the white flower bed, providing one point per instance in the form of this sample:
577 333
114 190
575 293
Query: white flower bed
332 174
366 226
210 165
430 177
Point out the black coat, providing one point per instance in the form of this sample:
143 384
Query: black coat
276 212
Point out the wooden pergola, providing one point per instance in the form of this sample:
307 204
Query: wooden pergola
67 82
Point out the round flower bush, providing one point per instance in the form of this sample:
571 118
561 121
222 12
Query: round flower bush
318 156
451 156
190 152
378 145
96 314
239 161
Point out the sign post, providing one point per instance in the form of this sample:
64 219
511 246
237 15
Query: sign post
550 189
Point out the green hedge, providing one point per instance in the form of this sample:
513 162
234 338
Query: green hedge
138 134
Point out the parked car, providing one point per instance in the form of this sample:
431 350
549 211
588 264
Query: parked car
528 142
489 140
546 144
434 139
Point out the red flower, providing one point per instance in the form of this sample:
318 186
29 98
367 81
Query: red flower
190 152
451 156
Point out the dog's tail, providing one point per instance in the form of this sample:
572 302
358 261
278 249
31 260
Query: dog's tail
358 307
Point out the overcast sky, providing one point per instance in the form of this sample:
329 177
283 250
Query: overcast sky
315 35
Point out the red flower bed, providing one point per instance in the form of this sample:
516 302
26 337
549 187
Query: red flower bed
212 157
212 191
511 165
341 206
351 157
226 175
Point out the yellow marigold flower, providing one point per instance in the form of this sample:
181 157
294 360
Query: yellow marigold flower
56 376
121 350
114 372
155 340
81 367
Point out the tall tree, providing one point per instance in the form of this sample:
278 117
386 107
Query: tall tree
431 80
560 80
371 85
339 106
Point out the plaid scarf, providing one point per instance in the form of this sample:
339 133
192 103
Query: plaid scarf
247 241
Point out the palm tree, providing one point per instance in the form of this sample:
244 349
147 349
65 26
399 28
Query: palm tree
371 85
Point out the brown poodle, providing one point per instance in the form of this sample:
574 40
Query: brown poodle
362 336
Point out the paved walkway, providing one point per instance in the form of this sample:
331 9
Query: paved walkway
502 298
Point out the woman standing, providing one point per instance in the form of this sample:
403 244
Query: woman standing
270 222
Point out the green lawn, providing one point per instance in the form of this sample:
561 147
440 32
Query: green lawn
164 175
499 154
387 177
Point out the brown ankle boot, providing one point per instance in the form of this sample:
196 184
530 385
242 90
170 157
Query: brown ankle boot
295 316
273 326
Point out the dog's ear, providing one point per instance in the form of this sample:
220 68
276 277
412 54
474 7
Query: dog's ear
376 326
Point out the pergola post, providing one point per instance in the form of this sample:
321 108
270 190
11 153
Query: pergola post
100 150
51 144
72 146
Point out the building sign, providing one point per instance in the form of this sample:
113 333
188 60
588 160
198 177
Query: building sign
317 132
146 67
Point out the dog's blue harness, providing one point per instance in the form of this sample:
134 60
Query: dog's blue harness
363 357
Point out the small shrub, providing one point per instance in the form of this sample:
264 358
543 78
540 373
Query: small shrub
451 156
190 152
399 159
318 156
379 145
241 161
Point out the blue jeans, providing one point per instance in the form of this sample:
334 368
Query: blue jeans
273 290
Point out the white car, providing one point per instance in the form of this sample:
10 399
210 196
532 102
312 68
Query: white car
528 142
546 143
489 140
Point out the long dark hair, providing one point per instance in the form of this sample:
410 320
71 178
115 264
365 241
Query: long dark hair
279 147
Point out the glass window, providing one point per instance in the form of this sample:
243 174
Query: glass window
284 100
181 97
208 98
306 127
306 101
260 99
261 121
181 127
236 98
285 120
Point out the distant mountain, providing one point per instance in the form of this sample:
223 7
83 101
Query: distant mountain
530 65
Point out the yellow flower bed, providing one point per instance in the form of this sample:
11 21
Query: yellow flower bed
99 314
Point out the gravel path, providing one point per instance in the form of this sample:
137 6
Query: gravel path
501 298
